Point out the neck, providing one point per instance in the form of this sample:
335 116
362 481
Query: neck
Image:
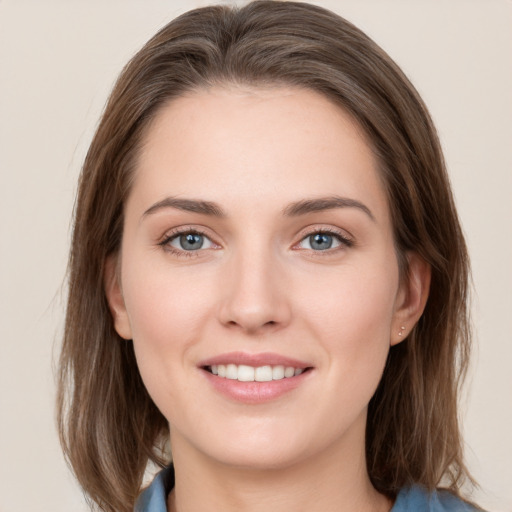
333 481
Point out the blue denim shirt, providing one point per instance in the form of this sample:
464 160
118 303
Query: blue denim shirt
412 499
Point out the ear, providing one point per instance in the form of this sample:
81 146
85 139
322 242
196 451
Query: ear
411 298
115 298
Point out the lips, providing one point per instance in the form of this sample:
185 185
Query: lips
254 378
254 360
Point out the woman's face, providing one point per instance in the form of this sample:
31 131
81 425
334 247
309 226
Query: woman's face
258 238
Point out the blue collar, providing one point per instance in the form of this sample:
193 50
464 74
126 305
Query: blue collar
410 499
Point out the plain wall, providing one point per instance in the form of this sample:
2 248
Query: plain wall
58 61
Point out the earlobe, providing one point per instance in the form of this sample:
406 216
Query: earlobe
115 298
412 297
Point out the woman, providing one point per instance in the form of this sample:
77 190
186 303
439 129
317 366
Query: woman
268 275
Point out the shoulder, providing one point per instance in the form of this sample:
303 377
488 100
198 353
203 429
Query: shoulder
418 499
154 497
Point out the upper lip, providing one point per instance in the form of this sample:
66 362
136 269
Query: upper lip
255 360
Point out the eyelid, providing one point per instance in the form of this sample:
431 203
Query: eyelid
172 234
345 239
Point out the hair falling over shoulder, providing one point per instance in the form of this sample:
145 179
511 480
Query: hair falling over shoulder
109 427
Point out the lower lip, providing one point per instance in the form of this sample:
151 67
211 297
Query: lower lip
255 392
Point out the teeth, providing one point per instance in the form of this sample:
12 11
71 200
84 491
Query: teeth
278 372
244 373
289 371
232 371
263 374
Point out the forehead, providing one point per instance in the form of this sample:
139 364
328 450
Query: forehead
254 146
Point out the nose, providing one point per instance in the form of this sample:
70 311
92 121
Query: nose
254 297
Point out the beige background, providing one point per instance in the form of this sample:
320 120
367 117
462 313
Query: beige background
58 60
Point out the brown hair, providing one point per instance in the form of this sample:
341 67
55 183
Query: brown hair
109 426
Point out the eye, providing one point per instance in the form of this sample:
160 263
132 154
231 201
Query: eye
323 241
187 241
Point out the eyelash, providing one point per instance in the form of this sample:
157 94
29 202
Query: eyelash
165 243
345 241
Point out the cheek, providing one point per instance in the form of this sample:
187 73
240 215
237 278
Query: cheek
354 297
164 302
351 313
168 312
165 311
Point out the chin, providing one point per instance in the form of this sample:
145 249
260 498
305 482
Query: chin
264 445
245 445
263 458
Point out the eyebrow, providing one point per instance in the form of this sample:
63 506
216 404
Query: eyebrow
295 209
325 203
188 205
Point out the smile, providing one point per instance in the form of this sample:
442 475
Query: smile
245 373
255 378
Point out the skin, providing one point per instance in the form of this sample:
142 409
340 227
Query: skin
258 286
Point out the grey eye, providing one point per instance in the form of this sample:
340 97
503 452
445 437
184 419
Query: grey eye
320 241
190 242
